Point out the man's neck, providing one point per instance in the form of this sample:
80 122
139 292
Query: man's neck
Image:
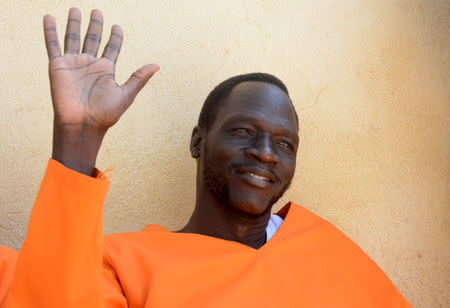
214 219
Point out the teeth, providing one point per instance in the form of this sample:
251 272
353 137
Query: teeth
258 176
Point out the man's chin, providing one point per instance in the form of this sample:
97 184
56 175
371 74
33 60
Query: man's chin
250 206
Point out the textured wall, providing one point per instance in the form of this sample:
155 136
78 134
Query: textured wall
369 80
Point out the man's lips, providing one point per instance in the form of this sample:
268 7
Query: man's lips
257 173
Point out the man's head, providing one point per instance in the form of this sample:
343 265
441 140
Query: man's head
246 143
218 95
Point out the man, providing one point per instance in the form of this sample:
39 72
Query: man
245 146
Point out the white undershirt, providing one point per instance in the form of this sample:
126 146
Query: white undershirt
273 225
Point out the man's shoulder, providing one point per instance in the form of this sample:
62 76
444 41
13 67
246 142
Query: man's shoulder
320 245
132 240
8 258
134 236
306 222
328 239
300 220
7 252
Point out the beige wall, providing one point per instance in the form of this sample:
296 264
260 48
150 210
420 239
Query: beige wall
369 80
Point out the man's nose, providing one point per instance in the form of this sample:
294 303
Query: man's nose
262 150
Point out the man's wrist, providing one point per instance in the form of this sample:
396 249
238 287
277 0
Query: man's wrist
76 147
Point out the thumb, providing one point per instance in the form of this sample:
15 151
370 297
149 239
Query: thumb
138 80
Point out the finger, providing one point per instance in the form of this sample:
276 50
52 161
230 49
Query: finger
112 48
138 80
72 38
51 37
93 34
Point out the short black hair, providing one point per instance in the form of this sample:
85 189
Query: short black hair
218 95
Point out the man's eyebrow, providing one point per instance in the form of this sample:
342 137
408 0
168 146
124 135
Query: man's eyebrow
239 117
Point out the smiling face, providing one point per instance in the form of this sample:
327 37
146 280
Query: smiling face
247 158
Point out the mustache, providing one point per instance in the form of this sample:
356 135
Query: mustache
249 166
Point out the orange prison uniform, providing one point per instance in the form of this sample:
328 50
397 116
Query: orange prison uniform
66 261
8 259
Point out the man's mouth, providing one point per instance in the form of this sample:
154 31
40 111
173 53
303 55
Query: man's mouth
256 175
259 176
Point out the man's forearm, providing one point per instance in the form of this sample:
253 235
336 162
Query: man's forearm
77 147
60 262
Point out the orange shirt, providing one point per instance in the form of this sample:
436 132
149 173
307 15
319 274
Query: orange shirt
8 259
66 261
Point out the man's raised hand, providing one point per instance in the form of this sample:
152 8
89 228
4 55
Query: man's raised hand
86 98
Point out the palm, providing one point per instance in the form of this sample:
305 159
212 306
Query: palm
84 91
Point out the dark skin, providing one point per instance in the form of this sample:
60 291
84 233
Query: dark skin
245 161
87 101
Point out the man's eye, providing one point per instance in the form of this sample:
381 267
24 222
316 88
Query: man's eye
242 131
285 144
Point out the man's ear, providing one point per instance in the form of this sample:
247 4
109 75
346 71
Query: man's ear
196 138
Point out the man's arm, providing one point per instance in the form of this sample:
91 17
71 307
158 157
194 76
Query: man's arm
8 258
87 101
60 263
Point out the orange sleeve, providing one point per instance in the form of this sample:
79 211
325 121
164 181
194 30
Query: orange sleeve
8 259
61 260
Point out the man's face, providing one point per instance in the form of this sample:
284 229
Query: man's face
248 155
